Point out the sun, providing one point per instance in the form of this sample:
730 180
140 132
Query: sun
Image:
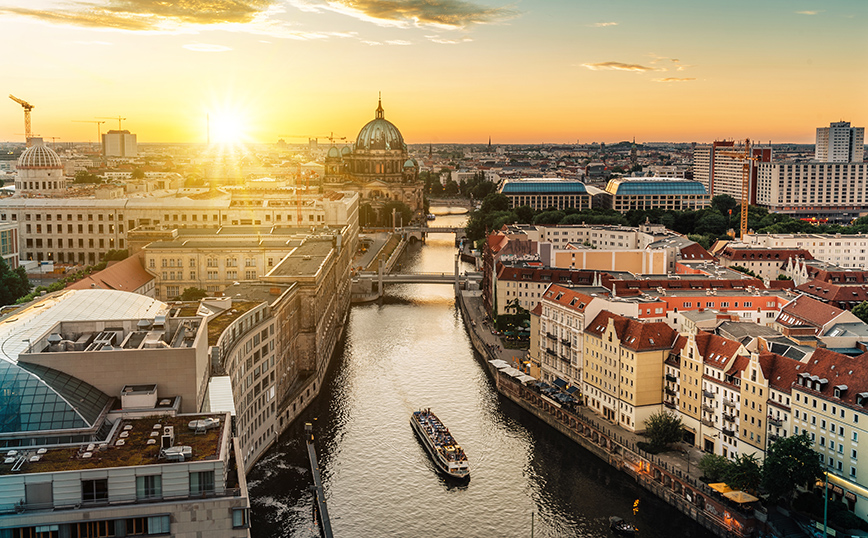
227 127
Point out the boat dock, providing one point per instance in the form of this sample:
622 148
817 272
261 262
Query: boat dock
321 508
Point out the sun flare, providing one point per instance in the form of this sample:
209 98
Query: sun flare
227 128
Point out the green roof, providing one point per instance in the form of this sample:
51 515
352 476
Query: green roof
554 186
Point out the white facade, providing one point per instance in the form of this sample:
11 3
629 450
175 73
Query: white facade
791 187
840 143
119 144
847 251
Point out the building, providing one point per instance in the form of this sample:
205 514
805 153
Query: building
81 230
843 251
721 173
9 244
840 143
377 166
117 143
623 372
105 381
39 171
826 190
629 194
548 193
125 275
766 262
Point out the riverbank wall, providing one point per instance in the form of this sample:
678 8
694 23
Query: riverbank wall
677 488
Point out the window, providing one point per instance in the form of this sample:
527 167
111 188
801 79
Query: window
94 490
239 518
139 526
201 483
149 487
92 529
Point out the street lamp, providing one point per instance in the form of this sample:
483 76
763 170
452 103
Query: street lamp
825 503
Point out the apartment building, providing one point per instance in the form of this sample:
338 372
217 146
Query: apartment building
840 143
623 373
547 193
722 173
766 262
844 251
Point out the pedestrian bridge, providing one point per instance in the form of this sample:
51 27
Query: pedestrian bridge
421 278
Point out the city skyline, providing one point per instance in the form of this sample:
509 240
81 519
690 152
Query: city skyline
449 71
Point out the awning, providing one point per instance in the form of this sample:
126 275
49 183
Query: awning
560 383
720 487
572 390
740 497
526 379
498 363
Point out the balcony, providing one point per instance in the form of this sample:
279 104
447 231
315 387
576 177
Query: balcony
670 405
728 403
707 394
670 392
672 378
729 418
566 342
708 422
563 358
551 336
728 432
707 408
775 422
551 352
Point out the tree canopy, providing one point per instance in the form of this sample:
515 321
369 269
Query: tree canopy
662 429
789 462
14 284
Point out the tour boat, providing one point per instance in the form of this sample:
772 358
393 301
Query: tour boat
447 455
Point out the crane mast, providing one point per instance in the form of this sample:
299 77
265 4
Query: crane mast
27 108
745 157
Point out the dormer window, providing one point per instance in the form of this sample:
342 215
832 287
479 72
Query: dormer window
839 390
861 398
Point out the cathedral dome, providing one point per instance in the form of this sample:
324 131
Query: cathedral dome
334 153
380 134
345 151
38 155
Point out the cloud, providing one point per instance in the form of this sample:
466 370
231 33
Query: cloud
809 12
603 24
92 43
398 42
444 41
205 47
673 79
150 15
618 66
407 13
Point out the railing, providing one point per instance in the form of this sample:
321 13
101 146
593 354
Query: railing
670 377
728 403
567 359
775 422
729 418
707 394
669 404
707 408
669 391
551 352
119 500
550 335
728 432
566 342
707 422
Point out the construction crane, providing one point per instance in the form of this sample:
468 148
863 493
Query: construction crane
120 119
745 157
331 137
98 128
27 108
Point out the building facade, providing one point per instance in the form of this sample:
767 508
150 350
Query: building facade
541 194
840 143
628 194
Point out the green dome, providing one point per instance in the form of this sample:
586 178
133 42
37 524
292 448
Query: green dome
380 133
334 153
410 163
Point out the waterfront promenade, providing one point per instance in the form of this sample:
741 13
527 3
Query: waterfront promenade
672 476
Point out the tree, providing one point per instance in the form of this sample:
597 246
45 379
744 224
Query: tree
861 311
662 429
138 173
790 462
403 213
744 270
714 467
83 176
495 202
193 294
13 283
723 203
745 473
116 255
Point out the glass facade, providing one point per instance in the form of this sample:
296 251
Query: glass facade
644 188
544 187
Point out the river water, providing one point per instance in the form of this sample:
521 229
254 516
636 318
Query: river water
411 351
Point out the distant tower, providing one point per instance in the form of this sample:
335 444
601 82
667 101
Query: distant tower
633 152
430 151
840 143
489 143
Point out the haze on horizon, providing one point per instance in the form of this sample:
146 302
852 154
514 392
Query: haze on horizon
526 71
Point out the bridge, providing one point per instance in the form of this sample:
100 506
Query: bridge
422 278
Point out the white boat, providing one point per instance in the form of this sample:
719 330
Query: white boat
447 455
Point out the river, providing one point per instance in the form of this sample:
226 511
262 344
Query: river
410 352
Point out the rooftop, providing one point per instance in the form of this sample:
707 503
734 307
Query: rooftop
654 185
543 186
128 446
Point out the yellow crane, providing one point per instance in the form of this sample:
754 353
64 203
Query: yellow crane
745 157
120 119
27 108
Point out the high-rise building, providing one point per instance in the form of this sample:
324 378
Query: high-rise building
722 174
840 143
119 144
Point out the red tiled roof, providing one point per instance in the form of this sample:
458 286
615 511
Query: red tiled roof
567 297
768 254
537 310
738 366
634 334
627 287
126 275
781 284
838 277
716 350
540 274
838 370
695 252
835 293
780 371
804 310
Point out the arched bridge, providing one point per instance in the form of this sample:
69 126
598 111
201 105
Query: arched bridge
422 278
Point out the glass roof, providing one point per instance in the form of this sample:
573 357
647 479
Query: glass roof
554 186
666 186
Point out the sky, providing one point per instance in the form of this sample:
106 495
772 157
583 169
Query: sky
518 71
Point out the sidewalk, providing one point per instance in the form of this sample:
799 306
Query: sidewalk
682 459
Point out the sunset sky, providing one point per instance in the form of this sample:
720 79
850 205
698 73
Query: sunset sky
521 71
